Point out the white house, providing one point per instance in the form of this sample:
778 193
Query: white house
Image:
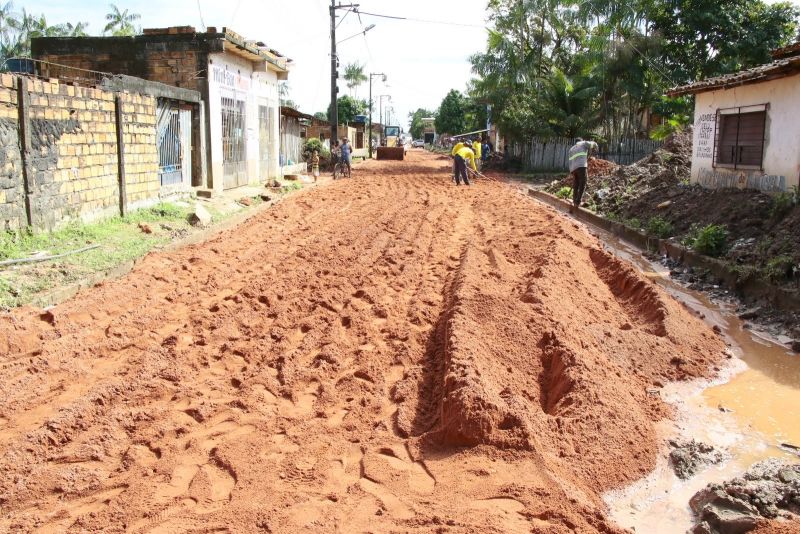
232 134
747 126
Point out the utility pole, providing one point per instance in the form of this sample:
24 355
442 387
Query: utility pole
380 110
333 115
371 75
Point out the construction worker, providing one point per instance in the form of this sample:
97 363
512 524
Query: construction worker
579 168
458 146
462 156
476 147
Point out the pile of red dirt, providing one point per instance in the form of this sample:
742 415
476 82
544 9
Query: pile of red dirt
386 353
601 166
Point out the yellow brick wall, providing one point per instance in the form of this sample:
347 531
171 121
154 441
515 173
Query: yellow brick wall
85 175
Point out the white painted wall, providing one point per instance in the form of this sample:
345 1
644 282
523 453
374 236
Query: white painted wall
782 142
233 76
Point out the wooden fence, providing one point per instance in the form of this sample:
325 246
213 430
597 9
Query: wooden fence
553 154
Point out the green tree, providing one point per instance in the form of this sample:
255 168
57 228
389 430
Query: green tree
354 75
417 126
450 117
120 23
347 108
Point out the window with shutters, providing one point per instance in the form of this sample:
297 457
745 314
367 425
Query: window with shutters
740 138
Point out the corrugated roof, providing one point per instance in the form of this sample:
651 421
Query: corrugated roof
779 68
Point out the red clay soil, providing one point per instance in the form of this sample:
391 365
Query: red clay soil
778 527
389 353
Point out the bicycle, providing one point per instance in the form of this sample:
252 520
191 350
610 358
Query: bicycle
341 170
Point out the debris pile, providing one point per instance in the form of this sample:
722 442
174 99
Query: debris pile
769 489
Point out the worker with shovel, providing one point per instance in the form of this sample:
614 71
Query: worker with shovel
579 168
458 146
462 156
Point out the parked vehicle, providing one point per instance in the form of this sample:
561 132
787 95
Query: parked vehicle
418 143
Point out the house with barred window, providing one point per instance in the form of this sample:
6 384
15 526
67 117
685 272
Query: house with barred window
747 126
230 138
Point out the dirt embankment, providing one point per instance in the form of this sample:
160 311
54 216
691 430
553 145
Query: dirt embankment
387 353
761 228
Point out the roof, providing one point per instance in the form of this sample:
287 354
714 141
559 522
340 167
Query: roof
786 51
291 112
788 65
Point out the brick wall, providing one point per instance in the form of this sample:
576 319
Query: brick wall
12 205
178 58
72 158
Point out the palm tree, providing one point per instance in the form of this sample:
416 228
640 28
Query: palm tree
354 74
120 23
6 23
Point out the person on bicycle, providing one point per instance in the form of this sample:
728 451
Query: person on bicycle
346 152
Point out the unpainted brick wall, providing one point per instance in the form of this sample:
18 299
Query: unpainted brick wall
12 200
72 163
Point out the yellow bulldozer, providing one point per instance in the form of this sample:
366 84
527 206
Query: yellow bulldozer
393 147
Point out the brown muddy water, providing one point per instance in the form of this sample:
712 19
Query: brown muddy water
748 411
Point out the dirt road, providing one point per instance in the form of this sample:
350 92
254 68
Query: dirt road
386 353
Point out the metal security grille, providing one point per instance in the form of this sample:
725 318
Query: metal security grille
264 141
169 143
233 143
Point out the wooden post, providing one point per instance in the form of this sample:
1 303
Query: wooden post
123 194
28 174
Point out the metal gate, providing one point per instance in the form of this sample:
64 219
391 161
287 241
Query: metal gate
264 141
173 140
233 143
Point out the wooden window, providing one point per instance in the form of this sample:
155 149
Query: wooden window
740 138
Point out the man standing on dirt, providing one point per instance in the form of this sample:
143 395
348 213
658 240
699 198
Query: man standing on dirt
476 147
461 157
458 146
579 168
346 153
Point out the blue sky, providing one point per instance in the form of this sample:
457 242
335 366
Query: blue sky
422 61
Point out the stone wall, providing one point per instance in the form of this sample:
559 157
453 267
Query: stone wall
70 168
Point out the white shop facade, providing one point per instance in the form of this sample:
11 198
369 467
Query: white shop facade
747 126
244 115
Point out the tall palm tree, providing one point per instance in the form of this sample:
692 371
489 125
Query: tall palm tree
354 75
6 22
120 23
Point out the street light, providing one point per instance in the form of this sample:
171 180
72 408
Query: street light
365 30
372 75
380 109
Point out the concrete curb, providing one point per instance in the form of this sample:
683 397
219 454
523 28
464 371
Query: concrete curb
750 291
61 294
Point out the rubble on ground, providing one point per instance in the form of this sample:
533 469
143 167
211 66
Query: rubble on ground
687 458
769 489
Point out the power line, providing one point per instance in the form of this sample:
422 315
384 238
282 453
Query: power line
426 21
200 10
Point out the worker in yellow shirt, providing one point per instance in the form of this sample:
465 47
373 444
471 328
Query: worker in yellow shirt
476 147
462 156
458 146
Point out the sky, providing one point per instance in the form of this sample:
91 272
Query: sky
422 61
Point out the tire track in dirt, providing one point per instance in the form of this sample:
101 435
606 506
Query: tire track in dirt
384 353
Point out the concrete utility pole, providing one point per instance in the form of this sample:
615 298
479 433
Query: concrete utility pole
333 115
371 75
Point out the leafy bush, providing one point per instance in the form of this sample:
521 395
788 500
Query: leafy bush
660 227
634 223
672 125
710 240
781 204
564 193
313 144
779 268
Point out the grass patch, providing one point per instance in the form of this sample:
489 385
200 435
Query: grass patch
660 227
120 239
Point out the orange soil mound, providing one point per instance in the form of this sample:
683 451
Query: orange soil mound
386 353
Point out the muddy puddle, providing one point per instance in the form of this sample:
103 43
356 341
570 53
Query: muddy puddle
748 411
